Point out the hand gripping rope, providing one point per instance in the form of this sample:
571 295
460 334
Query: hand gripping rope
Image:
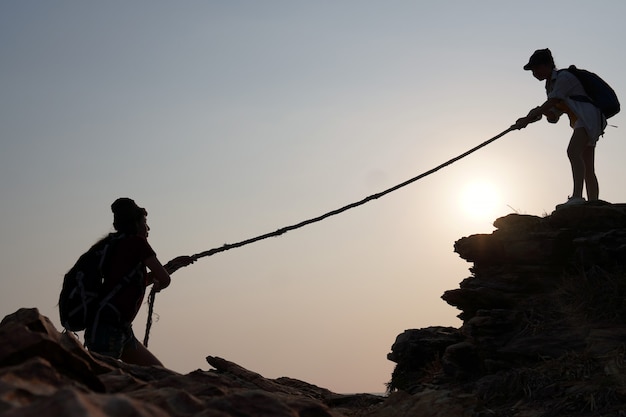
286 229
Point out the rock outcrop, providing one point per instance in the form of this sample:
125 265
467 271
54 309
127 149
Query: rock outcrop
544 321
47 373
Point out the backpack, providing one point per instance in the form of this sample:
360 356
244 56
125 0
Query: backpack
599 93
82 287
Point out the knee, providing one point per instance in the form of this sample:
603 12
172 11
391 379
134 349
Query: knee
573 154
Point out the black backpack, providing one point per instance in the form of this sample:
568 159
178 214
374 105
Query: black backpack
82 286
598 91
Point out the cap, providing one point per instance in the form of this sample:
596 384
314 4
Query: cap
124 205
126 214
539 57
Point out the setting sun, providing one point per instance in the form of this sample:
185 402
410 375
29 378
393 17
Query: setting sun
480 200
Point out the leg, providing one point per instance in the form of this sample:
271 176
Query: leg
591 181
575 151
136 353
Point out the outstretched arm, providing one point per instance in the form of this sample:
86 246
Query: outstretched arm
158 274
178 262
537 113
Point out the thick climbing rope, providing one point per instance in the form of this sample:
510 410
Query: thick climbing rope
286 229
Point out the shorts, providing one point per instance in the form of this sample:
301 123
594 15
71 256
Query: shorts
109 339
579 124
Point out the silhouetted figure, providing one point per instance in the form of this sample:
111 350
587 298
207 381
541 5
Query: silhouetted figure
111 333
587 121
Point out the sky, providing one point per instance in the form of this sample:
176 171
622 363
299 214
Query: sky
231 119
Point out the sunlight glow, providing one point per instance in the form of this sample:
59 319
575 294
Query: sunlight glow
480 200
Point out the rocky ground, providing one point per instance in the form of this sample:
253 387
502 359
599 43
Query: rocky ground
47 373
543 335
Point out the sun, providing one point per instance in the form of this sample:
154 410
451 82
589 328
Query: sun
480 200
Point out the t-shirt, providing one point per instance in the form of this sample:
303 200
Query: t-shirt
563 85
127 257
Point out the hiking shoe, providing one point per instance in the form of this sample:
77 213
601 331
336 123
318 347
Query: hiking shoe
572 201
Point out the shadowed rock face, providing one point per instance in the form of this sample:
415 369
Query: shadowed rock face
544 320
543 334
47 373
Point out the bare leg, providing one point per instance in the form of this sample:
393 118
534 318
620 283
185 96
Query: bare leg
138 354
577 145
591 181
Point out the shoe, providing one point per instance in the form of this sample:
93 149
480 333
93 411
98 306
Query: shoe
572 201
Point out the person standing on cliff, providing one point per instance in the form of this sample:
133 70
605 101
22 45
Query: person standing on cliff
587 121
111 333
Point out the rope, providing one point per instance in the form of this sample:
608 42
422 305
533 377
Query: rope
286 229
150 313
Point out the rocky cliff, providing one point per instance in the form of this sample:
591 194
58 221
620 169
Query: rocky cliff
543 335
544 321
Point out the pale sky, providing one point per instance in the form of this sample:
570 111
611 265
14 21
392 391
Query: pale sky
230 119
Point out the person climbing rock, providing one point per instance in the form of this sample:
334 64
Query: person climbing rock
110 333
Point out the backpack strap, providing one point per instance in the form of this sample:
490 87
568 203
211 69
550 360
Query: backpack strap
106 301
85 297
572 70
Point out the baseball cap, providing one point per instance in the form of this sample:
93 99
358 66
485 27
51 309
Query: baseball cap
540 56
